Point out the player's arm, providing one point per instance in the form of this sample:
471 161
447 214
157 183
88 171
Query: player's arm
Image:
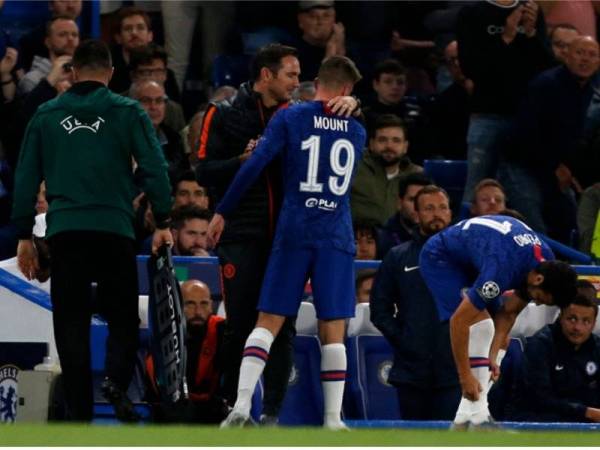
383 295
504 319
465 315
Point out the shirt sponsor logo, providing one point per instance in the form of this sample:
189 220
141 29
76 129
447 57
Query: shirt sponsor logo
71 124
321 203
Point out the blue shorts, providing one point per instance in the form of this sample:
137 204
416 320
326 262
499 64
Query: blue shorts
332 279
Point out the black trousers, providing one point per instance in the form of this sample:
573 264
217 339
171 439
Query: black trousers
418 403
79 258
243 267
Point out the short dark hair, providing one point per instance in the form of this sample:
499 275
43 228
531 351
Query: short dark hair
418 178
146 55
186 175
388 66
487 182
188 212
389 121
92 54
514 214
270 56
50 22
587 288
130 11
430 189
365 227
582 300
337 71
559 281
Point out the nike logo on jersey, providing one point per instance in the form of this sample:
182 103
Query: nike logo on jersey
559 367
410 269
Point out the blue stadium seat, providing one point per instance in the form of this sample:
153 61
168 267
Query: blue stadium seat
230 70
303 403
368 396
449 174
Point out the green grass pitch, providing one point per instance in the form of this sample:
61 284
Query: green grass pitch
147 435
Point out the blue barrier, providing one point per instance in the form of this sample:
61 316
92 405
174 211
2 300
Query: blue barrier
566 251
444 425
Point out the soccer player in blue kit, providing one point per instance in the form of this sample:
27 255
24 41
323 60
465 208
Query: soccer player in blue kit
314 237
488 264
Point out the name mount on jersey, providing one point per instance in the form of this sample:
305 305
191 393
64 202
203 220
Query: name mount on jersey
330 123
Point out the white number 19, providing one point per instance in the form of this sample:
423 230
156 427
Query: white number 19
313 144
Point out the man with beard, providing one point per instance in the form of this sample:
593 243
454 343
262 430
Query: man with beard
375 188
488 265
204 346
189 227
62 38
403 309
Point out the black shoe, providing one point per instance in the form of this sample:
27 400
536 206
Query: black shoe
124 410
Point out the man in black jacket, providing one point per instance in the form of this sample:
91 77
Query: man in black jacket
229 133
561 376
423 373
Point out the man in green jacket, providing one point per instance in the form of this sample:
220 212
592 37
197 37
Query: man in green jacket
374 196
84 145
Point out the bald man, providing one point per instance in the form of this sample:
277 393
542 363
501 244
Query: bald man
547 162
204 362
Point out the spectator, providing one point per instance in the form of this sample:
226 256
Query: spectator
449 112
229 133
363 285
204 362
402 308
501 47
375 187
149 63
189 226
588 221
189 192
389 84
62 37
561 37
153 99
489 198
548 161
321 36
32 44
400 227
560 378
133 30
305 92
587 289
91 209
365 238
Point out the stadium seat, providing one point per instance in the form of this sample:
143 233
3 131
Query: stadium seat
532 319
230 70
361 323
303 403
449 174
306 322
370 358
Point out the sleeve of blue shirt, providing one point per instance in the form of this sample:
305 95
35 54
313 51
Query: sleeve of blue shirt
494 279
271 144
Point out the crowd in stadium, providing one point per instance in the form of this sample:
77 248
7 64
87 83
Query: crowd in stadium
511 89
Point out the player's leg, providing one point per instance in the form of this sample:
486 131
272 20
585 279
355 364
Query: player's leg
332 280
280 298
481 335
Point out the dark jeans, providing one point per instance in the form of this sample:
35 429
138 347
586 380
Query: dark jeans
417 403
243 266
79 258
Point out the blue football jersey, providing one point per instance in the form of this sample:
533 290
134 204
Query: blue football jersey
495 252
320 152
